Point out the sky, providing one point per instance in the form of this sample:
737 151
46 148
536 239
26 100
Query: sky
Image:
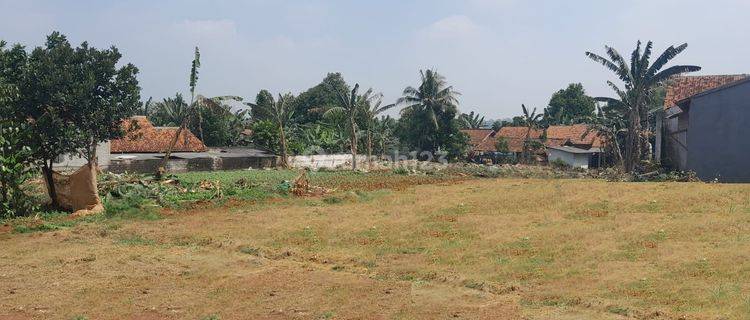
497 53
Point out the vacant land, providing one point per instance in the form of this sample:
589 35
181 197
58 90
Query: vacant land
475 249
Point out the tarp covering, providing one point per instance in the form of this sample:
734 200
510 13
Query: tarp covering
77 192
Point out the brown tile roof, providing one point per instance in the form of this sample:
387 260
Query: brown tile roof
682 87
556 136
479 139
516 136
574 134
146 138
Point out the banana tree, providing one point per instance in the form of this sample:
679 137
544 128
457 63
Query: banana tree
349 105
640 78
532 122
372 107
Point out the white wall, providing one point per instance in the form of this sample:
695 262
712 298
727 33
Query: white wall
575 160
325 161
73 162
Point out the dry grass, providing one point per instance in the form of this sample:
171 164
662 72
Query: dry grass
537 249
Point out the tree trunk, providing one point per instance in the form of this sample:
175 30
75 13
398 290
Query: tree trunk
369 150
51 191
284 155
162 166
526 152
354 144
633 141
200 126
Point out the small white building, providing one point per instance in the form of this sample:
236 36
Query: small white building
574 157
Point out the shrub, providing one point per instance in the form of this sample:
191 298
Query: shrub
16 168
559 164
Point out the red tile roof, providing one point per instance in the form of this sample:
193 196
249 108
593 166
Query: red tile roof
480 139
516 136
682 87
556 136
575 135
146 138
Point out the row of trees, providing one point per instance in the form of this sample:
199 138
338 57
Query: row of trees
332 114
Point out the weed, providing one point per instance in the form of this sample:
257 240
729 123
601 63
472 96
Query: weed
618 310
332 200
250 250
135 240
328 315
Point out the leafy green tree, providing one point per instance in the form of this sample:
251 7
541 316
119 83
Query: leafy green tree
104 97
428 119
69 98
17 167
372 107
263 101
46 104
471 121
569 106
266 135
310 105
640 78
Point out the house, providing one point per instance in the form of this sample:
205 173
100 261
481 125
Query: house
144 145
571 143
143 137
482 146
714 126
674 133
574 157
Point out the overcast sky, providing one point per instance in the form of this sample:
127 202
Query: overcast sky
497 53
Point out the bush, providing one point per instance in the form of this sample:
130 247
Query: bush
266 135
16 168
559 164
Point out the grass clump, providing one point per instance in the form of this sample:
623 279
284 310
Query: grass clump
135 240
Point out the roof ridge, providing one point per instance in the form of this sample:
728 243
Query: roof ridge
712 75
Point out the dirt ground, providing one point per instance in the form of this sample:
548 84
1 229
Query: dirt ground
479 249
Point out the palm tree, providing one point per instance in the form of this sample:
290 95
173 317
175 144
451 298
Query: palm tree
372 107
640 79
532 122
471 120
169 111
349 105
430 101
281 112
